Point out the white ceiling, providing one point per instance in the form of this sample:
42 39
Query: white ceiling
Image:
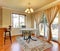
23 4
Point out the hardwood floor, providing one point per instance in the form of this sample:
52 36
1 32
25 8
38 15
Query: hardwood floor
14 46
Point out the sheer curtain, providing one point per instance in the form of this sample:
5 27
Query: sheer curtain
50 15
37 18
59 24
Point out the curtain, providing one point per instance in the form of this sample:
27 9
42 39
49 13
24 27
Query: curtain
50 15
37 18
59 25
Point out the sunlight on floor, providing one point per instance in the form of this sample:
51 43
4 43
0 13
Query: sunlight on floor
16 47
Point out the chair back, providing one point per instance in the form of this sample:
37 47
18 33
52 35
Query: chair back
9 27
24 26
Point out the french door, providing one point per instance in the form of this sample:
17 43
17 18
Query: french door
55 28
43 27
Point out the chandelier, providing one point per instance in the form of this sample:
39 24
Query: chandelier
29 9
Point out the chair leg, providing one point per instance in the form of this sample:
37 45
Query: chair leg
10 37
5 38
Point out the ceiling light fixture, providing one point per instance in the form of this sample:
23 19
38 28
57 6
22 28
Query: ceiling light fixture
29 9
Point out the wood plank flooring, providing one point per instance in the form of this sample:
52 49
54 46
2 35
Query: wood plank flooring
14 46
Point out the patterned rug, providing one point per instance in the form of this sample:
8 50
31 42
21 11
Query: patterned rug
38 45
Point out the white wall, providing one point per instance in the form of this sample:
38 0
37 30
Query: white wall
0 16
6 17
28 20
16 31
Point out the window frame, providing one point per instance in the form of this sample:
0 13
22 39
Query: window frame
18 20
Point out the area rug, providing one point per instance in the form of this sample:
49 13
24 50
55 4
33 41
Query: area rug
38 45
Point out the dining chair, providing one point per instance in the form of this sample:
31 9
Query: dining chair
7 31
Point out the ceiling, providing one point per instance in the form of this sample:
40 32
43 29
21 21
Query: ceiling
23 4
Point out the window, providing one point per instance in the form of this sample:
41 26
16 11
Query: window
54 28
18 20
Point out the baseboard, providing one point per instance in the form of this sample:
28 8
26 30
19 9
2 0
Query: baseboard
56 42
15 35
21 35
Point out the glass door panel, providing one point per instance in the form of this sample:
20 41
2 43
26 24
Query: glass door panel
41 29
55 28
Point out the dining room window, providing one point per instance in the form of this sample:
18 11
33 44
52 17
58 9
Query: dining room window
18 20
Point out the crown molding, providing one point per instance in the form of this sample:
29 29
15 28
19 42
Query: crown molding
48 5
13 10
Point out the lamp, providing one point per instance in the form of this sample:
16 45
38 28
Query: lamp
29 9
